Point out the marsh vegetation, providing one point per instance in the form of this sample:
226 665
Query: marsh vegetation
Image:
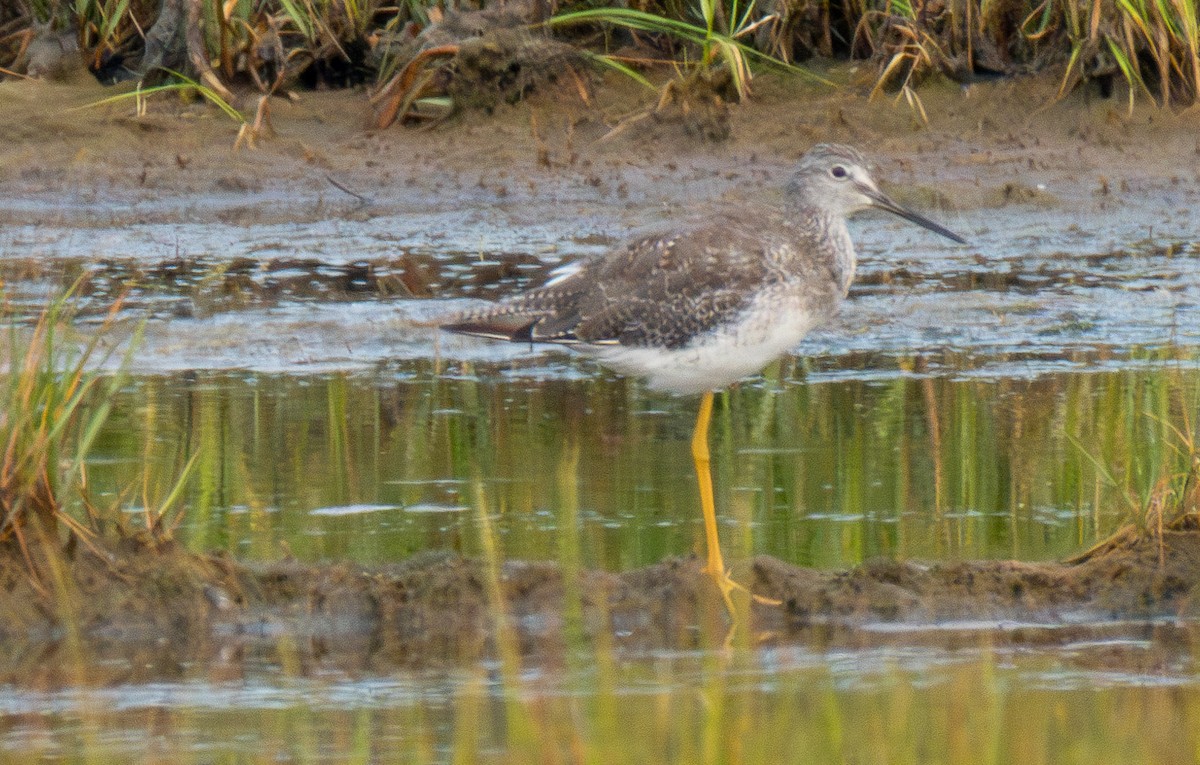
422 60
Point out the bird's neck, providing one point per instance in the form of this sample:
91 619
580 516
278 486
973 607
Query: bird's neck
845 259
830 237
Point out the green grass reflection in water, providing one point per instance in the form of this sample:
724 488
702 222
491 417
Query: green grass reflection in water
891 707
376 467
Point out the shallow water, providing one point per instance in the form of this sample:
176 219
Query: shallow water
1016 398
1136 694
375 466
994 400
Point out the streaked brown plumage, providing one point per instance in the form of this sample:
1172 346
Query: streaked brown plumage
710 304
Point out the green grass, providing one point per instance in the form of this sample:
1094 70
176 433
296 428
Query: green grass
1151 46
716 48
184 86
54 408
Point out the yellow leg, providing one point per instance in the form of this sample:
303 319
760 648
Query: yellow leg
716 564
715 567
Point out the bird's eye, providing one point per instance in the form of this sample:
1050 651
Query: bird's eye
837 171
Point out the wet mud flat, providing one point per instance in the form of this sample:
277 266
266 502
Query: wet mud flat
440 609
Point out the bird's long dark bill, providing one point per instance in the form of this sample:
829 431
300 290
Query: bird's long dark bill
884 202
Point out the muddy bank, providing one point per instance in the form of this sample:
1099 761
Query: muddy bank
437 605
435 610
983 147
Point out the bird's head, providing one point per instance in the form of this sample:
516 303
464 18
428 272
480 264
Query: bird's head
835 178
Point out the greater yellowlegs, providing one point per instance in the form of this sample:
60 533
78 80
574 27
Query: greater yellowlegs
699 308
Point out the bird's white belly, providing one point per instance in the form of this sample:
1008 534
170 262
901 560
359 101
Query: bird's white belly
713 361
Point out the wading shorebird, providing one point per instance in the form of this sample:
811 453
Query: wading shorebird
696 309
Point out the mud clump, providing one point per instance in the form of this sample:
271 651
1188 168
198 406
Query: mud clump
698 105
53 55
438 608
479 59
1133 575
506 66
